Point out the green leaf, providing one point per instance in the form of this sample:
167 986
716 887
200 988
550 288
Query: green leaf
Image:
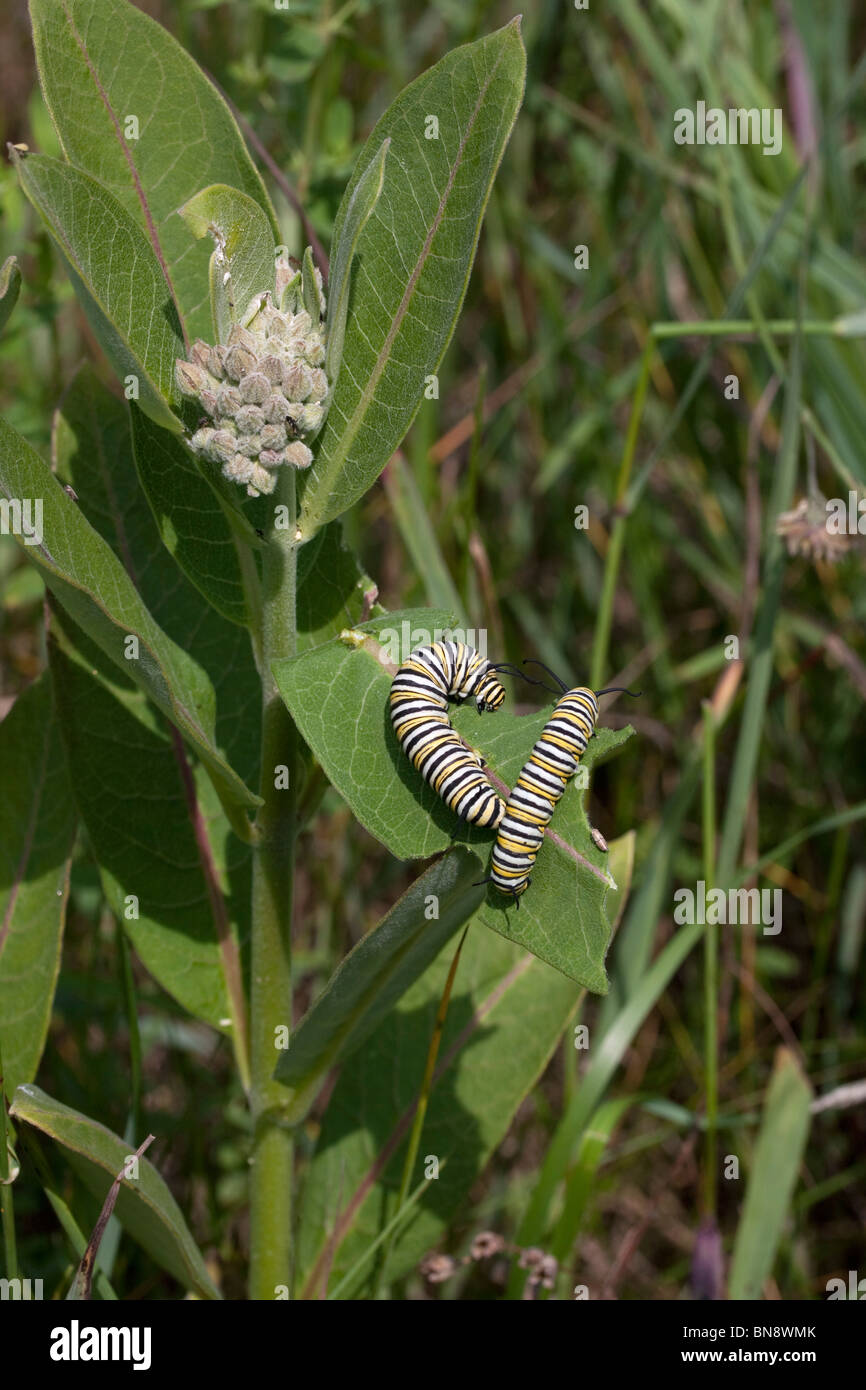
103 61
377 972
505 1017
117 277
413 258
37 832
92 585
157 875
602 1067
776 1163
338 696
193 889
361 202
243 260
192 522
332 588
10 288
145 1207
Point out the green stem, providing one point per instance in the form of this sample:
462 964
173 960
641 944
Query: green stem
7 1203
723 328
711 966
273 865
421 1108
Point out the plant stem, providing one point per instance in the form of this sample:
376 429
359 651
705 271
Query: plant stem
273 865
7 1203
421 1108
711 965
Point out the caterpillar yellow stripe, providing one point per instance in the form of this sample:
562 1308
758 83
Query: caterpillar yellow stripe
420 693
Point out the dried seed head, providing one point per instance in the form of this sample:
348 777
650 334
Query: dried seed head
806 532
485 1244
531 1258
437 1268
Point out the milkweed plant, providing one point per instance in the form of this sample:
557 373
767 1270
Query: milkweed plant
215 655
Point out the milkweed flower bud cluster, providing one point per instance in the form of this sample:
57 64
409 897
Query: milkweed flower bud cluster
264 389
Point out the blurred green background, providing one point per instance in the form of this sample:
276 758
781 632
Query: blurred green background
535 397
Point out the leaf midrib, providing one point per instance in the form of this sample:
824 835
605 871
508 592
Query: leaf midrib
130 162
350 433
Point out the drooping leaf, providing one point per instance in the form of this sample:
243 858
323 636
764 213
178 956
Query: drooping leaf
173 852
772 1178
117 277
145 1206
377 972
92 585
37 831
133 109
192 522
413 257
10 288
338 696
133 789
506 1013
242 261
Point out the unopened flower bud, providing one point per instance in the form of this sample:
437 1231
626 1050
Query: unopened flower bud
249 419
272 436
215 359
298 455
239 361
255 388
249 445
297 382
272 368
242 337
228 401
319 385
199 353
190 378
276 409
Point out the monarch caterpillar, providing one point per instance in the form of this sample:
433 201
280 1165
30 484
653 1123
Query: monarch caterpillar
420 691
553 760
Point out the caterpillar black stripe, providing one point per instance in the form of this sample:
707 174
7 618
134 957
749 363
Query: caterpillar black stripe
420 693
552 762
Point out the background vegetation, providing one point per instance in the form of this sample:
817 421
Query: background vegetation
549 367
